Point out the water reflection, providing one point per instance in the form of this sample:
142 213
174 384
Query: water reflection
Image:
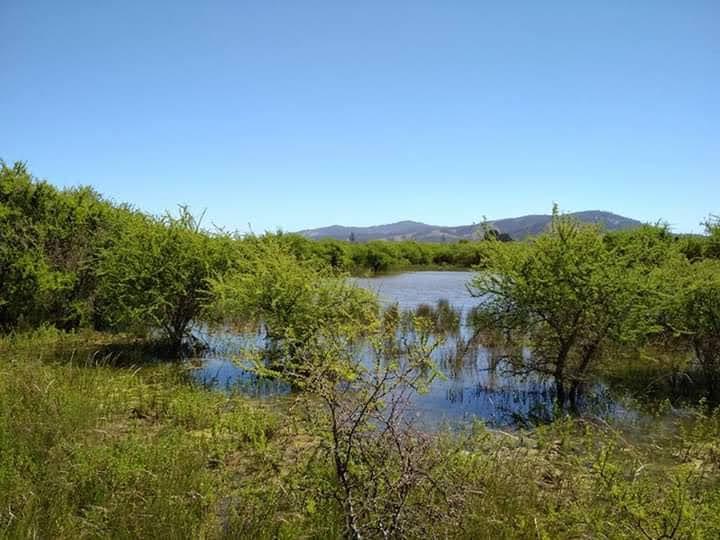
475 382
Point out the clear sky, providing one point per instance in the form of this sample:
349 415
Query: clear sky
299 114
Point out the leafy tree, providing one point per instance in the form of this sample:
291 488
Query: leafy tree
692 247
569 293
492 233
712 229
707 246
694 313
49 240
22 269
335 254
357 379
154 276
377 256
293 299
650 246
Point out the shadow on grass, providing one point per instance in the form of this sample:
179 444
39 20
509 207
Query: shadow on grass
100 349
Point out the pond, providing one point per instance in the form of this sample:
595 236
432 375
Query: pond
469 389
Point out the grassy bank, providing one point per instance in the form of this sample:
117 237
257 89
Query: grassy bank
92 450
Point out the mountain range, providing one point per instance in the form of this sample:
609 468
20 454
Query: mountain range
517 228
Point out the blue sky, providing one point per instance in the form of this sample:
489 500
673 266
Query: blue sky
303 114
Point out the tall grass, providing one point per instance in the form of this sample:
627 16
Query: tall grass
92 450
99 451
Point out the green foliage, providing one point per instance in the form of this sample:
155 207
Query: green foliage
95 451
649 246
712 244
384 256
98 451
355 377
71 259
293 299
694 313
707 246
88 450
335 254
571 293
154 274
49 240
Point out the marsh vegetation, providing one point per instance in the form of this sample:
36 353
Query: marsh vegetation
105 431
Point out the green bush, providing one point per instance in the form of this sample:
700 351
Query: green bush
293 299
570 294
49 242
693 313
153 277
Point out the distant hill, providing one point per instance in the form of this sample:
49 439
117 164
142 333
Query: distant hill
518 228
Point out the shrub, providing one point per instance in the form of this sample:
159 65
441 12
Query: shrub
154 275
570 294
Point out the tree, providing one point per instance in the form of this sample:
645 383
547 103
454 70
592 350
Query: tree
356 379
293 299
486 231
694 313
24 273
49 240
649 246
335 254
569 294
378 256
154 275
712 244
382 466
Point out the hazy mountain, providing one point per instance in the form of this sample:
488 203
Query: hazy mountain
517 228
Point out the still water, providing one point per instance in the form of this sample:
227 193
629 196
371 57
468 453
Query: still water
410 289
468 390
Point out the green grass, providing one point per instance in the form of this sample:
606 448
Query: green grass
92 450
100 451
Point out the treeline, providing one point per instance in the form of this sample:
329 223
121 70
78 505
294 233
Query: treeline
50 241
71 258
581 298
386 256
105 443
